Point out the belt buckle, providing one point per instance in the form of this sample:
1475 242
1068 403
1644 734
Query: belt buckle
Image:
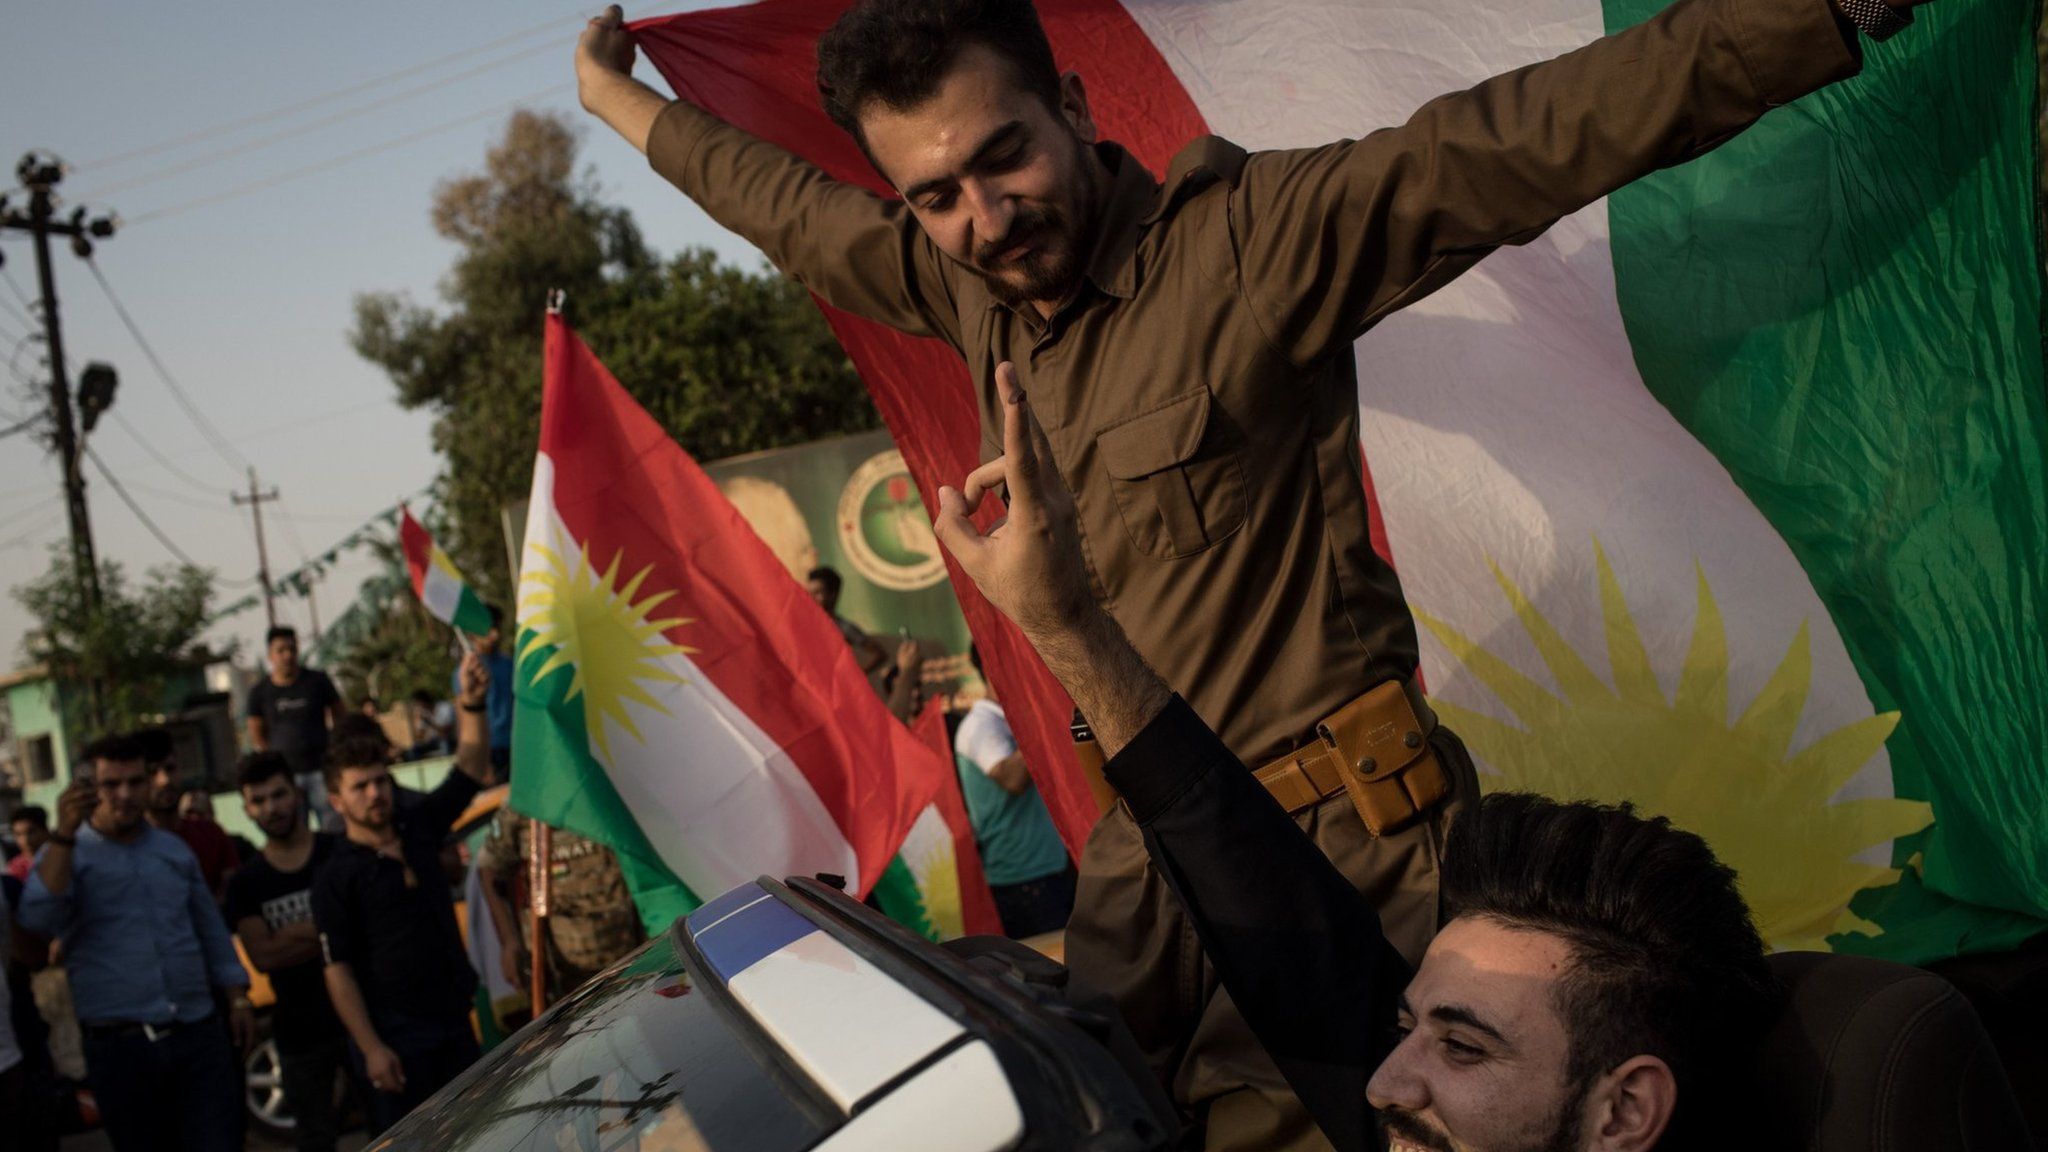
155 1033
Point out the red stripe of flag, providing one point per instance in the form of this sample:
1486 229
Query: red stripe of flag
419 551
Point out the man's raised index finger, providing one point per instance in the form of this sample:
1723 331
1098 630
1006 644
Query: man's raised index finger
1019 446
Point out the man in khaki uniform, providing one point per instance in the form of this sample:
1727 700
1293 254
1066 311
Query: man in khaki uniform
1188 348
591 919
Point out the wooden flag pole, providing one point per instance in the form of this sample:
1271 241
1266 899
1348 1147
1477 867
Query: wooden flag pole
538 879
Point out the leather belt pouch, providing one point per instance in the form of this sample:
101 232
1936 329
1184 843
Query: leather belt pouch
1382 751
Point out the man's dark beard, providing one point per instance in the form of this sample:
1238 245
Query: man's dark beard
1564 1129
1057 279
1043 280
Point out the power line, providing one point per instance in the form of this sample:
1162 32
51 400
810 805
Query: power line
157 454
26 304
25 537
209 158
170 545
220 443
14 362
30 509
312 102
345 158
214 506
19 316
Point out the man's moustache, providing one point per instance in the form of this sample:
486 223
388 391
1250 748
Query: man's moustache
1023 229
1410 1130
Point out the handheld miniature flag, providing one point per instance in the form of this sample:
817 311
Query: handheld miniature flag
936 885
680 698
1725 495
446 595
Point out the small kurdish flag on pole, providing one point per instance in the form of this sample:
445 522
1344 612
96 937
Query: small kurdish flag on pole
448 597
679 697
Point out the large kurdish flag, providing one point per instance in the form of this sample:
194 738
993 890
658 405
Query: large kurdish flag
1726 495
680 697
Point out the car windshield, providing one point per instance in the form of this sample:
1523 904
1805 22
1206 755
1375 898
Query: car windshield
640 1059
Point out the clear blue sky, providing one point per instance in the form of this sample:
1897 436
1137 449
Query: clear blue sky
248 299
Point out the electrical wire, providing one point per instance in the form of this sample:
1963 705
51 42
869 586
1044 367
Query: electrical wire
26 537
158 455
14 363
162 538
344 158
312 102
210 158
33 508
19 316
26 304
221 444
194 502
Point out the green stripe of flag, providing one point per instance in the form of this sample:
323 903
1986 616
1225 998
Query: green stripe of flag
470 614
564 786
1844 305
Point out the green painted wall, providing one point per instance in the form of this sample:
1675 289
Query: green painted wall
37 711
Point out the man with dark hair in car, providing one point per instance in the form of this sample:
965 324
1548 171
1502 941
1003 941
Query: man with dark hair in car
396 968
1598 974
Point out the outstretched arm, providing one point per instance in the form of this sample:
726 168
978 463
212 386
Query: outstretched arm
1331 239
1299 949
857 251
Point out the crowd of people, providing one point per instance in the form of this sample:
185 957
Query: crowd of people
1312 927
1315 931
125 909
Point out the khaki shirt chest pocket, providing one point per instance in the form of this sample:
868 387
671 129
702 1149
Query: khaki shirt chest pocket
1178 483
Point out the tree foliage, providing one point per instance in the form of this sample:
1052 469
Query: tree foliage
729 361
128 651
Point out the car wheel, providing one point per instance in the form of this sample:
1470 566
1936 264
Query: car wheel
263 1089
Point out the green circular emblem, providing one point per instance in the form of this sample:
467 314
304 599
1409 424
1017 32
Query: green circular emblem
883 528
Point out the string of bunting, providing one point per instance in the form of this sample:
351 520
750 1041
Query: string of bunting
299 581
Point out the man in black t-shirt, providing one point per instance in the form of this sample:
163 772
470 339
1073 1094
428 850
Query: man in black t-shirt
396 968
270 906
291 710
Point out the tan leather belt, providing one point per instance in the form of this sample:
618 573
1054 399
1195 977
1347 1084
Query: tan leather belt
1377 749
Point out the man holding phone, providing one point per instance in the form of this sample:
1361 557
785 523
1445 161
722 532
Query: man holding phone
147 953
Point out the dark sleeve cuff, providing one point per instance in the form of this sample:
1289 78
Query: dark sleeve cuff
1164 760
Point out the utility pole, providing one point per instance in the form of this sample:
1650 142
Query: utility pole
255 500
40 176
313 611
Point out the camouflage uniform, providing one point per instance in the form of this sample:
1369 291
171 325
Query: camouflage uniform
591 918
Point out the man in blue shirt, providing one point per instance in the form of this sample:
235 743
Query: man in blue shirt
498 703
147 952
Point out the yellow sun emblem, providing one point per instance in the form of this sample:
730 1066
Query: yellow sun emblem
599 631
1766 813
